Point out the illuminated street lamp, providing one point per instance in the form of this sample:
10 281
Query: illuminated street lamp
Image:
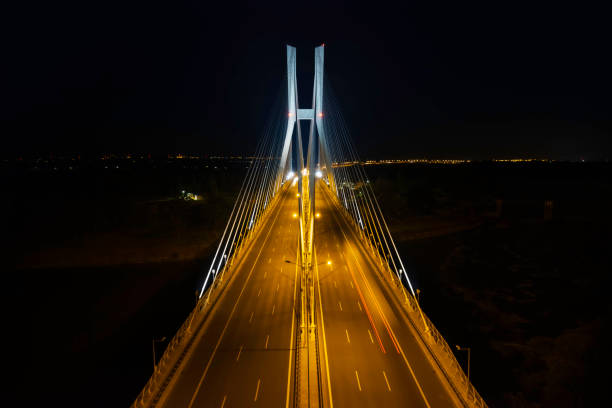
468 351
318 215
156 341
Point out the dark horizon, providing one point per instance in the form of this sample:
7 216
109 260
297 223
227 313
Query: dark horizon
469 81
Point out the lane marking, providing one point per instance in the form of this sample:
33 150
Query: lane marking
367 310
265 274
257 390
291 337
331 401
251 318
229 319
269 260
223 403
357 377
239 351
267 339
380 311
347 336
386 380
360 309
259 293
400 348
277 285
340 304
335 286
370 333
351 282
273 307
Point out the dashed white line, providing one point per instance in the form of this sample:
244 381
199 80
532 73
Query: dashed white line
386 380
257 390
359 305
259 293
371 338
273 308
223 403
351 282
340 305
265 274
251 318
347 336
269 260
267 339
357 377
239 351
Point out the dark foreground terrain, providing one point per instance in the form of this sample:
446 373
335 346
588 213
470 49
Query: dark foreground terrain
513 261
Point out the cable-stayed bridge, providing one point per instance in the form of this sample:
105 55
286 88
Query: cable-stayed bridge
307 302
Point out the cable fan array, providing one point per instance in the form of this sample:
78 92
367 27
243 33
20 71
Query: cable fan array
260 185
354 190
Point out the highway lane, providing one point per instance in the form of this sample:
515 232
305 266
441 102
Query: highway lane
243 354
373 357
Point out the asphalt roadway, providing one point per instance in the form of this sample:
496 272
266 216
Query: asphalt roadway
371 355
244 353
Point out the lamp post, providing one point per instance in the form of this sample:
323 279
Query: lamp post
468 353
156 341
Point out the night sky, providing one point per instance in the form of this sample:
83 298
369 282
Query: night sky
457 80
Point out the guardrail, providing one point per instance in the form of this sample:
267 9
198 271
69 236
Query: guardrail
181 343
433 340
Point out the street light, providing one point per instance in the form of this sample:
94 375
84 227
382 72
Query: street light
468 351
156 341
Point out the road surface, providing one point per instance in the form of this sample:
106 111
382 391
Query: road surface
244 353
242 357
373 357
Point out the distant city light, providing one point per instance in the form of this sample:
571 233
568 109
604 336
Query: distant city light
290 175
319 174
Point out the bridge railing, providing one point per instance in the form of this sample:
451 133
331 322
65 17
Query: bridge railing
180 344
432 338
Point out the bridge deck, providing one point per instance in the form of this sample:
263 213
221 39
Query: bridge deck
243 353
365 331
